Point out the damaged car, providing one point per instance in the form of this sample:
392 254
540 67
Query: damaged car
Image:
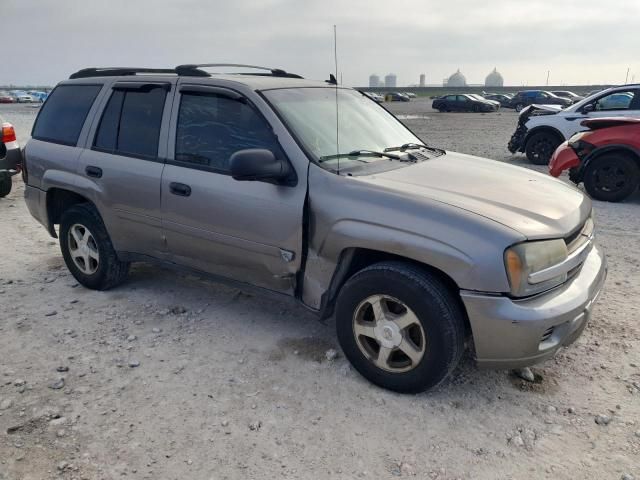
542 128
417 252
606 158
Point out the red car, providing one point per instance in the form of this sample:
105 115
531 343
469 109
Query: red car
606 158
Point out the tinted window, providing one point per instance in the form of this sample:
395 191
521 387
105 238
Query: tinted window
130 124
211 128
61 118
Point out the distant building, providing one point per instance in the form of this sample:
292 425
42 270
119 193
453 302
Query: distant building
390 80
456 80
423 79
374 81
494 79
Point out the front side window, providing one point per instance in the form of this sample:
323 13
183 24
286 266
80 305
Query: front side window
62 116
130 123
362 124
616 101
211 128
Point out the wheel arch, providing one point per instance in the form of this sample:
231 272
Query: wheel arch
354 259
543 129
59 200
598 152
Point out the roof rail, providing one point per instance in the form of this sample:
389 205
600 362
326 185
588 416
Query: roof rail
276 72
122 71
180 70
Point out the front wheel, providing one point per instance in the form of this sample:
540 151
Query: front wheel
400 326
611 177
5 184
87 249
540 147
519 107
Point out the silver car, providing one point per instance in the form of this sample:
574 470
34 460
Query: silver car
314 192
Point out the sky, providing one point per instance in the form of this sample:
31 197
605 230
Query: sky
578 42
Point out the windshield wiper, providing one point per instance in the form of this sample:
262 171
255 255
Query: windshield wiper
415 146
360 153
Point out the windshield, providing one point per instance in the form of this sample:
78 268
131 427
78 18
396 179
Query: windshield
363 125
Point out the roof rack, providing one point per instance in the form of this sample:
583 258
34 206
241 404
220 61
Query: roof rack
275 72
180 70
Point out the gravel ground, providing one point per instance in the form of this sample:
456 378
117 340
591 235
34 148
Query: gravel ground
171 376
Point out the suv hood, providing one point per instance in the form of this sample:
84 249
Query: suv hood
535 205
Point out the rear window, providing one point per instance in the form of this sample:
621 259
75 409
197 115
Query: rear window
131 123
61 118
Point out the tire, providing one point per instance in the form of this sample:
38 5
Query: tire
540 147
519 107
101 273
612 177
437 328
5 185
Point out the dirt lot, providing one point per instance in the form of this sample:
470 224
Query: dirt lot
173 377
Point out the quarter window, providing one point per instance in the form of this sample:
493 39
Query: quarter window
63 114
130 124
212 127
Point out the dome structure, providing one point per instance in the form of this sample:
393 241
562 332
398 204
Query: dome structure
494 79
457 80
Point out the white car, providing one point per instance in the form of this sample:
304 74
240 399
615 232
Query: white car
542 128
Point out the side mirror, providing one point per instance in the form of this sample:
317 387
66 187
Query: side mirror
589 107
258 164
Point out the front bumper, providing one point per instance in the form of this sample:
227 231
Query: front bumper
509 333
564 158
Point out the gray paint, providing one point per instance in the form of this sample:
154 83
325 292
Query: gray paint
454 213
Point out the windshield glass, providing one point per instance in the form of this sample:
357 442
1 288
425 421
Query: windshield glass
363 125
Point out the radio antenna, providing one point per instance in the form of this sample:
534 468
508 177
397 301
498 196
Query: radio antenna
335 59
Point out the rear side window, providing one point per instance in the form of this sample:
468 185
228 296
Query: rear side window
211 128
62 116
130 123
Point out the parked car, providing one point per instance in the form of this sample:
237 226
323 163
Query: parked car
396 97
503 99
462 103
416 250
495 103
568 94
10 157
541 97
606 157
21 97
541 129
374 96
410 94
6 98
37 96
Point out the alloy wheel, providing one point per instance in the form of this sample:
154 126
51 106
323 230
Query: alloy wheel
389 334
83 249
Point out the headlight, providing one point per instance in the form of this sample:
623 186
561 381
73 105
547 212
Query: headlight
530 257
580 146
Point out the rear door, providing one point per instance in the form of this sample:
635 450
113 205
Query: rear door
246 231
123 166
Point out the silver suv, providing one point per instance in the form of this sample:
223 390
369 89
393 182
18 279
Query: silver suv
315 192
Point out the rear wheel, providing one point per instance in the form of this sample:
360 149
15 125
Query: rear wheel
612 177
400 326
5 184
87 249
540 147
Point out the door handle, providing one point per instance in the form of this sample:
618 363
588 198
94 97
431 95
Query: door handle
180 189
92 171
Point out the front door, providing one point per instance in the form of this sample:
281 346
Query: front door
622 103
249 231
123 165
